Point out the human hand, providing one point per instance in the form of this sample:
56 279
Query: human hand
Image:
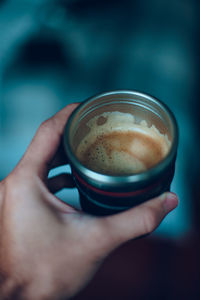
48 249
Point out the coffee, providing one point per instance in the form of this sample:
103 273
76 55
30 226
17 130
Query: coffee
118 145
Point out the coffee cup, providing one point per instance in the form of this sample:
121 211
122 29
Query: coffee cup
122 148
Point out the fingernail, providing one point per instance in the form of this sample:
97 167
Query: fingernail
170 202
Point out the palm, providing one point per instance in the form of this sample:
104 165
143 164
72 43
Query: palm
56 240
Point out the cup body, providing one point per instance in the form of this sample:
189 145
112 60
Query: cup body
102 194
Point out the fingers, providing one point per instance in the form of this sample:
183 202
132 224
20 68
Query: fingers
46 142
60 158
59 182
140 220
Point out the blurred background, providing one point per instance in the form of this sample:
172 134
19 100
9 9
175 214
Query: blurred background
54 52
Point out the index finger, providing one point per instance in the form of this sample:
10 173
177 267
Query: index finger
45 143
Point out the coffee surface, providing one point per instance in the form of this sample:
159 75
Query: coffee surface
117 145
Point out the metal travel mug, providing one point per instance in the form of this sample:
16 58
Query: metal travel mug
105 194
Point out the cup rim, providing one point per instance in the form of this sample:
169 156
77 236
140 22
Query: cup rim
121 179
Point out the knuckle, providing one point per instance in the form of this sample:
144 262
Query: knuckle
17 183
70 105
45 125
2 188
12 184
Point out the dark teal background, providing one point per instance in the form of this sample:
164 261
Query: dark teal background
55 52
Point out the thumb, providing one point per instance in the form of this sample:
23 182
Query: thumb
140 220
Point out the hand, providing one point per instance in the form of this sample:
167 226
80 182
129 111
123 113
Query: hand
48 249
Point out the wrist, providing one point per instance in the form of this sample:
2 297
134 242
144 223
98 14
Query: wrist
11 289
43 290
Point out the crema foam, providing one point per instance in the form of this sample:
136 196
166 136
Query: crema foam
117 145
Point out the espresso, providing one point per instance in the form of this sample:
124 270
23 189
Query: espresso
117 145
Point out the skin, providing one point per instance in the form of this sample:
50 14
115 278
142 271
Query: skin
48 250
